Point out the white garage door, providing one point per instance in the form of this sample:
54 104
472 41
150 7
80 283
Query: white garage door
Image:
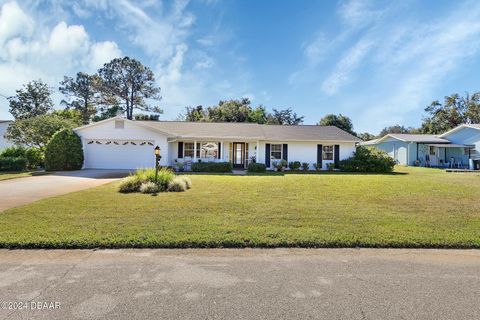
116 154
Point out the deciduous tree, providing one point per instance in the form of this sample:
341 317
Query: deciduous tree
340 121
285 116
454 110
38 130
32 100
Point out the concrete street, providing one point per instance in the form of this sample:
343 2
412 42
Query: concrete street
242 284
16 192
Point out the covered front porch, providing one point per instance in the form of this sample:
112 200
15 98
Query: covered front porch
444 155
239 153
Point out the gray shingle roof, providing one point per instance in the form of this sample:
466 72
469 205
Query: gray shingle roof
429 138
2 121
251 131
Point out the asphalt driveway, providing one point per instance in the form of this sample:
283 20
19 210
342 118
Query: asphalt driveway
16 192
240 284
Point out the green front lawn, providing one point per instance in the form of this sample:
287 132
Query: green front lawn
22 174
419 208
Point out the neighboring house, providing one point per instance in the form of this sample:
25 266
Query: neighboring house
118 143
466 134
459 144
4 143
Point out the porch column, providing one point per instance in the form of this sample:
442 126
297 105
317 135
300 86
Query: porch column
257 151
194 150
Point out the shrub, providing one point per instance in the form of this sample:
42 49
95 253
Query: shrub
130 184
317 166
12 163
177 185
330 166
368 160
64 151
35 158
257 167
212 167
294 165
280 165
165 175
188 181
149 187
305 166
13 152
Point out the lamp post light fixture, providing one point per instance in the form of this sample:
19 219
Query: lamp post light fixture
157 161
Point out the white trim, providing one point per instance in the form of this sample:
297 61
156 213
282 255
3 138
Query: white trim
281 152
98 123
458 128
139 124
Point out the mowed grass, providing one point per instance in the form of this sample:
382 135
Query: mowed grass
415 208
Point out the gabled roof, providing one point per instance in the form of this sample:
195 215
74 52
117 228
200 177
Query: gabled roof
407 137
471 125
137 123
251 131
234 130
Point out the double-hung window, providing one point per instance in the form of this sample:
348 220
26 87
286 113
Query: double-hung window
276 152
189 149
327 153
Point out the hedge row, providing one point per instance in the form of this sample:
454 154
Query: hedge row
257 167
13 163
20 158
212 167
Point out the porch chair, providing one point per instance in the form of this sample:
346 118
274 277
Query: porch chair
459 164
188 163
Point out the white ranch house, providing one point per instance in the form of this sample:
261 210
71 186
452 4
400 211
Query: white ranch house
118 143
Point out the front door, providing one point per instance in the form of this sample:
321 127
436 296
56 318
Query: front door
238 155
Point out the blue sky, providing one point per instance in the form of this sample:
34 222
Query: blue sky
378 62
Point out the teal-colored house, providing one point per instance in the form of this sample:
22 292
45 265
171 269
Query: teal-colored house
454 148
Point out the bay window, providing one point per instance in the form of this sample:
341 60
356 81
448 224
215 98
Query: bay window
209 150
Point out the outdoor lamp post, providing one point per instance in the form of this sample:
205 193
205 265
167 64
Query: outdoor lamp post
157 161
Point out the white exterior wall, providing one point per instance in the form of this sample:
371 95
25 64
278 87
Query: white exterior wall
133 156
307 151
125 156
468 136
4 143
224 149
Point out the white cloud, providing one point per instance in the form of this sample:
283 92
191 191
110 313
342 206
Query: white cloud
359 13
14 22
350 61
103 52
173 71
392 62
47 52
66 40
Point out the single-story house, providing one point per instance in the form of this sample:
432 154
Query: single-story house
118 143
456 147
4 143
